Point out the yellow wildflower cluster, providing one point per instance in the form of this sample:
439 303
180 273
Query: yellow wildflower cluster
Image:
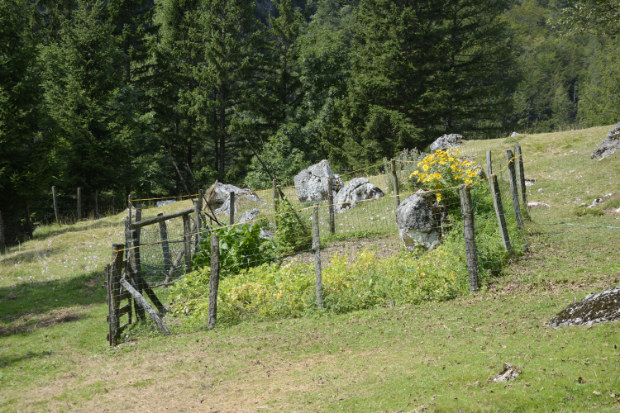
444 169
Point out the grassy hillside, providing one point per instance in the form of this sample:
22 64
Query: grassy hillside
428 357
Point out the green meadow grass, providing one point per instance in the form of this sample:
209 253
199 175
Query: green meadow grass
434 357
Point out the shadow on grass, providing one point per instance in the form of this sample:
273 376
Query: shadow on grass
7 361
32 305
47 231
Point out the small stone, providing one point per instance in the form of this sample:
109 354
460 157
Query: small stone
446 142
509 373
358 189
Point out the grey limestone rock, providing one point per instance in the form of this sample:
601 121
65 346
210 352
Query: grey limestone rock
221 199
610 145
249 215
595 308
447 142
311 184
357 190
419 221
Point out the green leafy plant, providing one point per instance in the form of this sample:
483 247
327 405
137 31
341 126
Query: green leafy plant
241 247
291 236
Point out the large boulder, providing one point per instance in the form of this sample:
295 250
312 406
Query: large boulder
447 142
219 199
249 215
357 190
610 145
419 221
311 184
595 308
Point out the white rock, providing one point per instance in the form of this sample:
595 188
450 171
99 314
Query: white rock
311 184
357 190
418 222
446 142
538 204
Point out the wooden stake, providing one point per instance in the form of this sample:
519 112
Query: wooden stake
114 292
197 208
489 165
79 204
187 243
470 237
275 201
135 269
330 200
316 247
2 235
55 204
519 156
515 195
163 235
214 279
232 208
499 212
395 181
28 222
138 219
96 204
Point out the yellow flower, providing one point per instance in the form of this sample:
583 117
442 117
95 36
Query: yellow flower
438 197
425 168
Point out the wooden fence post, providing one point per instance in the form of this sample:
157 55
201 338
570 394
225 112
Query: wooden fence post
2 235
499 212
114 292
330 200
138 217
214 279
28 222
489 165
316 246
187 243
163 235
519 156
96 204
515 195
232 208
129 207
275 202
135 269
197 208
395 181
55 204
79 204
470 237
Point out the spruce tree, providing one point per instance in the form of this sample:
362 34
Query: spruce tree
90 104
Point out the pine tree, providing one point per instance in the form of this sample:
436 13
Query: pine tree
89 102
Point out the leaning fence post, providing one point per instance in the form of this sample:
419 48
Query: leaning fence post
499 212
96 204
231 197
214 279
395 181
316 247
79 204
187 243
55 204
470 237
2 236
515 195
330 200
163 235
275 202
519 156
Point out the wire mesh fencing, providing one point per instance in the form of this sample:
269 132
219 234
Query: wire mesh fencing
340 243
